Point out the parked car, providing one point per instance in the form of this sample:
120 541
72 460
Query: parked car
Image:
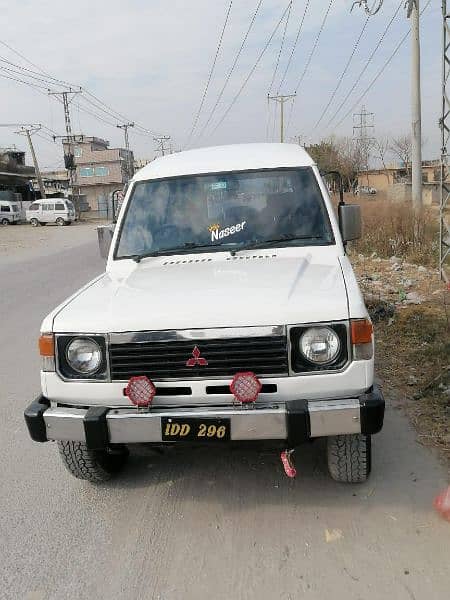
57 210
364 189
229 311
9 212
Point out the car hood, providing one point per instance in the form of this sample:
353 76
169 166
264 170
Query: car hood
284 286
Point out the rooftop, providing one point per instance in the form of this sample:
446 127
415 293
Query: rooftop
218 159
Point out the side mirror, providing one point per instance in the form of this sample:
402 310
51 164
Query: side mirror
349 221
105 234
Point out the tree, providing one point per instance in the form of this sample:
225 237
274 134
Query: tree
382 146
339 154
401 147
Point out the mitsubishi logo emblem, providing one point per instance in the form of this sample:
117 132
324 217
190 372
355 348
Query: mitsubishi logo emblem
196 359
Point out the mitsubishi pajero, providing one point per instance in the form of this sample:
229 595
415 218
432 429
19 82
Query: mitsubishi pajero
229 311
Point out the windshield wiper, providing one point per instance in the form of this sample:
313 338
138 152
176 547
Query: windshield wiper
175 249
284 238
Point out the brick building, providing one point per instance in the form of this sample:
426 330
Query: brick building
100 170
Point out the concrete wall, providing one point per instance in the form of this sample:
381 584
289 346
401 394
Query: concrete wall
97 196
401 192
378 180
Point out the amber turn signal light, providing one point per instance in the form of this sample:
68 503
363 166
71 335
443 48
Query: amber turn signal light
361 331
46 345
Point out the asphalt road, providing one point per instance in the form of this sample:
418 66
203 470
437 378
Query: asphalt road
223 524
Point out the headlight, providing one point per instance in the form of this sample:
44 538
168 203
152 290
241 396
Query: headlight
319 345
84 356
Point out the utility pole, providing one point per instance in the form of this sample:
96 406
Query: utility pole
160 140
130 166
281 99
444 209
69 157
28 130
416 112
364 123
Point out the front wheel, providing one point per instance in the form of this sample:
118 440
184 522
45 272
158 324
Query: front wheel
34 222
60 221
92 465
349 457
5 221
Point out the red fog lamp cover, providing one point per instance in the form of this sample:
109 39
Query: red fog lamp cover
245 387
140 390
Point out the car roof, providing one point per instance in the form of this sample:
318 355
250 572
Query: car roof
218 159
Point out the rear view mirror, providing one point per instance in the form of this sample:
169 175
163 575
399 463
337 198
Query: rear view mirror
105 234
349 221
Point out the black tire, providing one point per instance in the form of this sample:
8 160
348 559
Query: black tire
349 457
5 221
60 221
34 223
92 465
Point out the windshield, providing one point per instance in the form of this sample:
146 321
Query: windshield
224 211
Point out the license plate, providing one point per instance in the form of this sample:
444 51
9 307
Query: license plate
193 429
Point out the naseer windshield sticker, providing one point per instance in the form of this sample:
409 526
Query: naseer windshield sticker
219 234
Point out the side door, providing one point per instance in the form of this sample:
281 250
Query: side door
48 212
60 210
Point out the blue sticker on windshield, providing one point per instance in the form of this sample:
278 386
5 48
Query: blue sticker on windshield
219 185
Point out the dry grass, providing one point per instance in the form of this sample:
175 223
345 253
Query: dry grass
394 229
413 356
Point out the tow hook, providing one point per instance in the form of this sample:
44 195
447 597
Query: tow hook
288 462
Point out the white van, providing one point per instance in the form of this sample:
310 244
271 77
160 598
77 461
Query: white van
9 212
57 210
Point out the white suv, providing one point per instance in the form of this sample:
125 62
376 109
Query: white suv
228 311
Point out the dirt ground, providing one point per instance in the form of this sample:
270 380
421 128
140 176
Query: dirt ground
410 308
19 242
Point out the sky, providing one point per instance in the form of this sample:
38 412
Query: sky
150 59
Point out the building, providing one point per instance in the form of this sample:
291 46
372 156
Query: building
56 184
15 175
394 182
100 170
139 163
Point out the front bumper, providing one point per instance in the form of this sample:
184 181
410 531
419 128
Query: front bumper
295 421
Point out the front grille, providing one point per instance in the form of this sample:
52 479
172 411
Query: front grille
167 360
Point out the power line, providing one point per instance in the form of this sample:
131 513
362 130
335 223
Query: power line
53 81
297 37
316 43
233 66
355 47
310 57
211 71
48 78
369 11
18 80
381 71
252 70
22 57
369 60
281 48
24 73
